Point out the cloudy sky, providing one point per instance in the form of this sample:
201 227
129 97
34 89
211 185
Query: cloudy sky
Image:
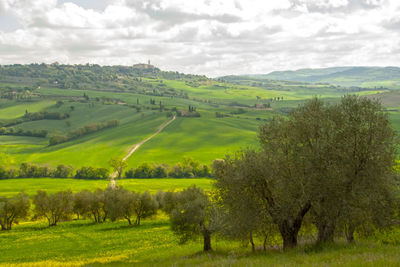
212 37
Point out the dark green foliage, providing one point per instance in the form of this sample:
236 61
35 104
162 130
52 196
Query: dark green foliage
160 171
144 170
92 173
8 173
21 132
238 111
63 171
36 116
28 170
189 168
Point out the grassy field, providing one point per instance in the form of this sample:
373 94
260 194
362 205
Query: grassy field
204 139
153 243
82 242
30 186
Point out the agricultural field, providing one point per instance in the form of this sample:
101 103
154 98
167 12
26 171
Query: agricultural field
231 110
31 185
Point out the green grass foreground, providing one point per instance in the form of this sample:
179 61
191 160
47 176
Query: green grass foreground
11 187
153 243
81 242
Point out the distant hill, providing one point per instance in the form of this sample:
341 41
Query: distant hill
388 77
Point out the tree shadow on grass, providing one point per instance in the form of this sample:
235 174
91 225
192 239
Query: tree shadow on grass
126 226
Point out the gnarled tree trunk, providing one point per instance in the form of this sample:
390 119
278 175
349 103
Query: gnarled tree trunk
290 227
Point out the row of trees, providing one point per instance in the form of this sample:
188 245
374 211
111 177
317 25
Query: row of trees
100 205
188 168
28 170
35 116
87 129
188 209
21 132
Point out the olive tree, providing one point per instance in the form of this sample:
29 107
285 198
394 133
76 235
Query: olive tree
53 207
366 152
145 205
96 206
123 204
332 161
270 184
13 209
191 215
81 206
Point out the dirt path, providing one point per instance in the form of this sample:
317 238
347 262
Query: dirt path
136 146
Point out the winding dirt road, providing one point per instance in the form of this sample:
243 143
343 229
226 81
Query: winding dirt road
136 146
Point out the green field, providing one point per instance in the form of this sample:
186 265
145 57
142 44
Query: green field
31 185
204 139
81 242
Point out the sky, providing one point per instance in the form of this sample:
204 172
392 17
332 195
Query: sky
210 37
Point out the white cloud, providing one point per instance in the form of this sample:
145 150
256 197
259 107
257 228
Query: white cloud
207 37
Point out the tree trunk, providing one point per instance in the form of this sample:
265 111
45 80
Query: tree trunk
289 236
326 232
207 240
137 221
253 247
289 228
265 242
129 221
350 233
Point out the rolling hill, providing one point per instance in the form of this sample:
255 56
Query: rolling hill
369 77
76 98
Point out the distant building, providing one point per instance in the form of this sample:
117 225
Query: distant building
144 65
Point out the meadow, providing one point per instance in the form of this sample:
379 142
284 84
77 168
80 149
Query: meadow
11 187
81 242
84 243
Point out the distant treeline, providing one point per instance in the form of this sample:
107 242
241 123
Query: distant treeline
91 128
92 77
21 132
189 168
36 116
28 170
